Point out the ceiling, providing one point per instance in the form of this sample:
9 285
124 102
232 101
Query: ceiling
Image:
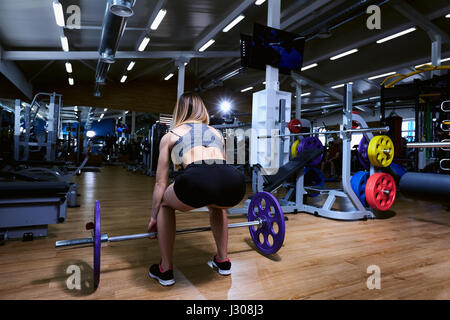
29 25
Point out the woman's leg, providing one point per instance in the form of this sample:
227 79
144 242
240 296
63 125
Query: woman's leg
166 225
219 227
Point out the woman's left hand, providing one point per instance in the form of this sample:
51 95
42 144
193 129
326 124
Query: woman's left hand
152 226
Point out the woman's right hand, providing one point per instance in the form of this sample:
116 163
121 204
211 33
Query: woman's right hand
152 227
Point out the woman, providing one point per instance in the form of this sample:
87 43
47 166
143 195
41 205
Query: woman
204 181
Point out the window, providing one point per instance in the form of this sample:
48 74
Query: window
408 129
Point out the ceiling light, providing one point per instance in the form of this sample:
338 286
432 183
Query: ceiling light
399 34
259 2
339 85
71 82
207 45
75 109
124 78
131 65
246 89
64 43
344 54
144 43
170 75
225 106
106 109
159 17
305 94
90 134
233 23
102 115
69 67
59 15
310 66
448 16
381 75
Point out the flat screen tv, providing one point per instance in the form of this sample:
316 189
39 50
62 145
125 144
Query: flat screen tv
274 47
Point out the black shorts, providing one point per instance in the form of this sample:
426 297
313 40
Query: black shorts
201 185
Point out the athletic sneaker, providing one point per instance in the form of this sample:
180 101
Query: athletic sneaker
164 278
224 267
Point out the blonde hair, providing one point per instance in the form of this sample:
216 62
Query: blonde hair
189 108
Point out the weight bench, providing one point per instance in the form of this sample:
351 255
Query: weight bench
27 208
270 183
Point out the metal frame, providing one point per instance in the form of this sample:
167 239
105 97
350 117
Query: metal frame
54 126
358 211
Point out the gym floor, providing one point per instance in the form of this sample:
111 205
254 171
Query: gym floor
320 258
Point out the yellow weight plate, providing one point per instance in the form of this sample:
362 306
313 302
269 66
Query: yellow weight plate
294 148
381 151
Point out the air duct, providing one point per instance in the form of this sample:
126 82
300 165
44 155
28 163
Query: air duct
114 22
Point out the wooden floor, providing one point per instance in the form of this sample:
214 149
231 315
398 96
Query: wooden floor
320 259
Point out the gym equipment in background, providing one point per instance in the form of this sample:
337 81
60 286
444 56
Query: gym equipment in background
358 183
432 187
313 178
265 222
27 208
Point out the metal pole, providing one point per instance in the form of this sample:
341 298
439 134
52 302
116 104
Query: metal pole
380 129
441 144
105 238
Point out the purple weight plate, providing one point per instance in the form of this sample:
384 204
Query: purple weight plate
271 214
97 244
363 155
311 143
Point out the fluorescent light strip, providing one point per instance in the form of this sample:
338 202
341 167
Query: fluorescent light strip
339 85
71 82
59 15
68 67
64 43
159 17
259 2
170 75
233 23
381 75
310 66
399 34
207 45
448 16
102 115
124 78
131 65
305 94
144 44
246 89
344 54
423 64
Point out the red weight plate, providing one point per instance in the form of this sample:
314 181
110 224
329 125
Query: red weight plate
295 126
381 191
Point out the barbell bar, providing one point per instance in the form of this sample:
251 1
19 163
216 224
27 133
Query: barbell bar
442 144
264 212
106 238
380 129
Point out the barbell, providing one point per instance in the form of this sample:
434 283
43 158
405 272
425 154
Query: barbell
265 222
